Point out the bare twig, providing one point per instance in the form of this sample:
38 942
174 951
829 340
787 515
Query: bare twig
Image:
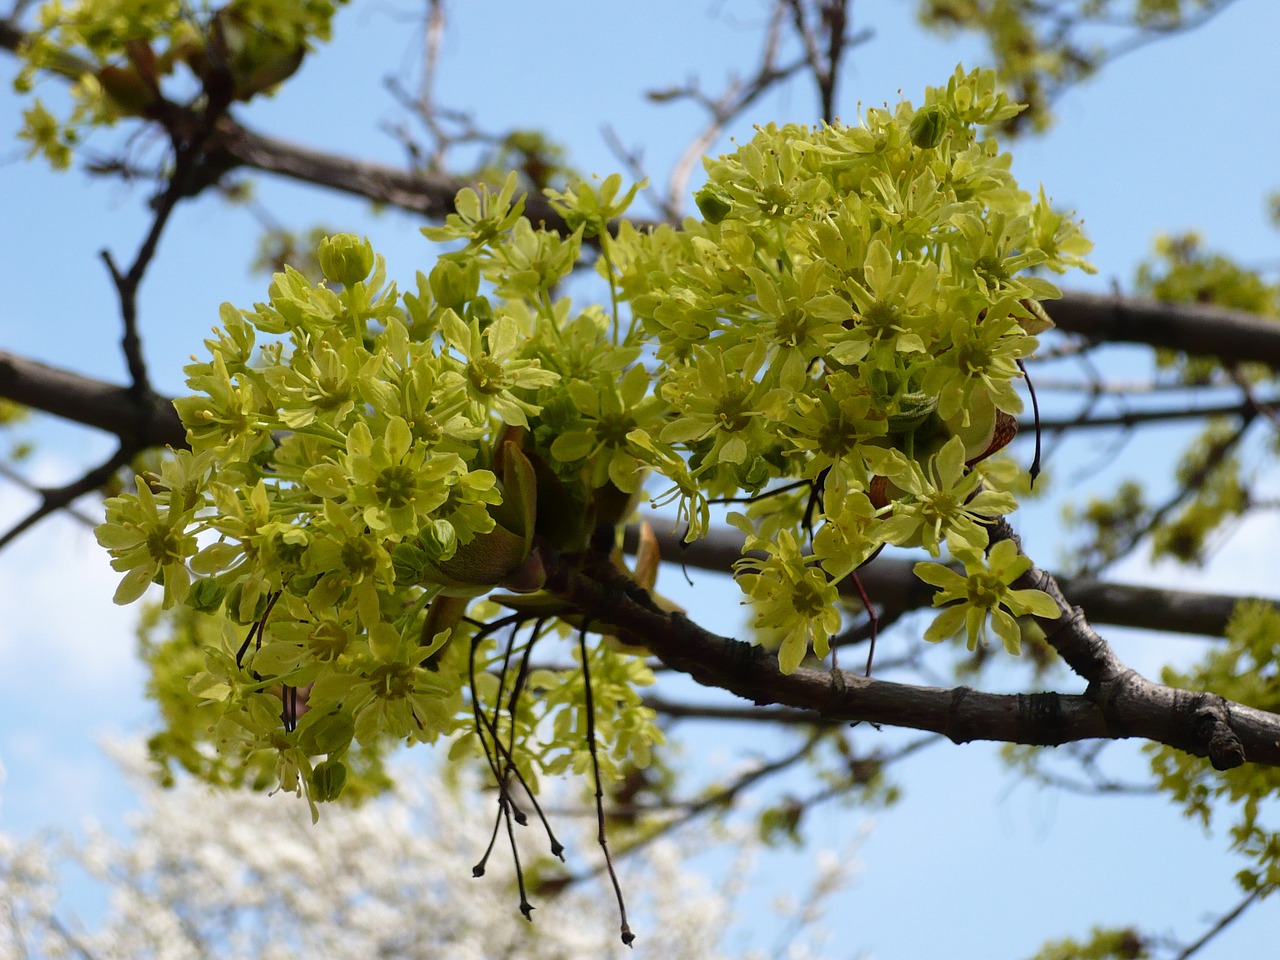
54 499
1223 922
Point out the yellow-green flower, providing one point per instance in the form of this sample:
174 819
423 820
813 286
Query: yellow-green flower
611 412
146 539
495 367
892 309
939 502
399 484
480 217
796 605
721 401
981 595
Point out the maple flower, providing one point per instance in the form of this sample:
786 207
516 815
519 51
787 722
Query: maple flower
796 605
495 367
941 502
982 593
146 539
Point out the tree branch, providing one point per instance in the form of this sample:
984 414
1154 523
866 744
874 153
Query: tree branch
430 194
149 421
1198 329
889 580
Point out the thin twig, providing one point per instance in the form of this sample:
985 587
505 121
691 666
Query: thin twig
1223 922
55 499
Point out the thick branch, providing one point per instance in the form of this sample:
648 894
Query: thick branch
889 580
151 422
1118 706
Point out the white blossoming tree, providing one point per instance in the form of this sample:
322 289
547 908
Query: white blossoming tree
207 873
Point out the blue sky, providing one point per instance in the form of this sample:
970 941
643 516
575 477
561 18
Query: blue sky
1183 134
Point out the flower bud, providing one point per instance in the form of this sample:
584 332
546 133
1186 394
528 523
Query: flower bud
454 283
330 734
439 540
913 410
236 608
346 258
327 780
409 563
206 595
715 206
928 127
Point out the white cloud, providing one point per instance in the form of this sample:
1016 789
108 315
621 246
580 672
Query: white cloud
61 627
68 665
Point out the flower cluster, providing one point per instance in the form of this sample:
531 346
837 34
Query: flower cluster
836 342
364 463
850 312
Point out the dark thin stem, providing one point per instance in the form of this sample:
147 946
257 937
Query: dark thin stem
480 723
627 936
525 906
815 500
502 678
757 497
513 705
479 868
1035 409
509 765
258 630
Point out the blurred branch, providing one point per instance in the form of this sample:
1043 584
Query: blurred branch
1138 417
53 499
1224 921
1121 544
719 798
894 586
430 194
1198 329
692 711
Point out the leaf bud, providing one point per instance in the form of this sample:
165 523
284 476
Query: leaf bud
235 601
928 127
439 540
409 562
345 258
713 204
913 410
